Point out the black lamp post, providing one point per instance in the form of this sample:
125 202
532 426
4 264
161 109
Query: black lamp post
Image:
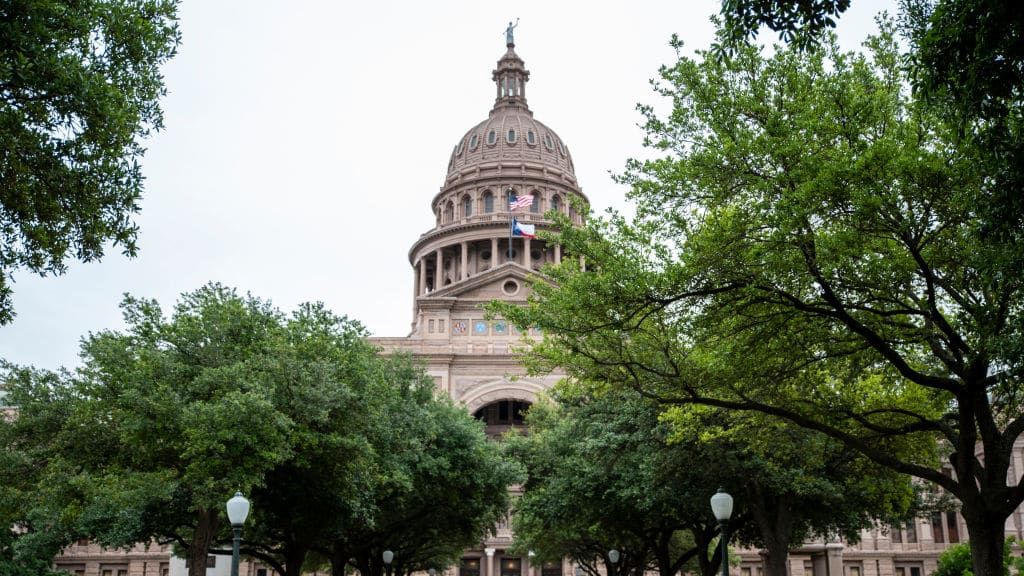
613 558
238 510
721 507
388 557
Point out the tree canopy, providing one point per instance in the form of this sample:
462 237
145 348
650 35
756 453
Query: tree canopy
80 85
809 244
343 452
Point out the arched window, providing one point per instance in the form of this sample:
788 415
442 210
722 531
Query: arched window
556 203
510 193
449 212
535 207
467 206
503 412
488 202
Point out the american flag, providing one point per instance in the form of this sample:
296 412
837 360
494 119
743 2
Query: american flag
517 202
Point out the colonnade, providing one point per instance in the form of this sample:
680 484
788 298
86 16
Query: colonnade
458 262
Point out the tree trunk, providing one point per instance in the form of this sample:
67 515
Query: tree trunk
294 558
339 558
206 527
774 519
986 537
775 562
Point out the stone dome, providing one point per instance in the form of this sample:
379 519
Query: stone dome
510 134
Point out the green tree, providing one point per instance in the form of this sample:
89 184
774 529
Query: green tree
966 63
810 246
611 469
439 486
159 425
79 88
601 475
327 368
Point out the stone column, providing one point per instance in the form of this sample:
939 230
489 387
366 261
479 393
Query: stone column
423 276
834 559
439 270
526 253
494 252
465 260
558 253
490 561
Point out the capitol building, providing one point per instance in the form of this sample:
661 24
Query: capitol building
470 257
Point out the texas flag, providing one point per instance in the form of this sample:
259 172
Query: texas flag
524 230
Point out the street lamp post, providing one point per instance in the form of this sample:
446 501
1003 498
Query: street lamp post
238 510
613 558
721 507
388 557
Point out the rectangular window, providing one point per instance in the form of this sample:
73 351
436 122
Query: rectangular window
440 326
911 532
937 527
896 535
261 572
808 568
954 527
745 571
853 570
211 561
909 570
430 326
511 567
469 567
551 568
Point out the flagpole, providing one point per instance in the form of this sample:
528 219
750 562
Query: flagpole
508 202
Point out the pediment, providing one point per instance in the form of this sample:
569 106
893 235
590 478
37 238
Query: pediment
491 285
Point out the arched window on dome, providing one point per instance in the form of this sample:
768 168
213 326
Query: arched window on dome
535 207
488 202
449 212
467 206
556 203
510 193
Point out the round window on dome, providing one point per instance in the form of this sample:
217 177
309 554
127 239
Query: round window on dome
492 137
472 142
511 137
548 143
531 138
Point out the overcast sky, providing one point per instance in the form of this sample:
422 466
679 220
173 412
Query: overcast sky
304 140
